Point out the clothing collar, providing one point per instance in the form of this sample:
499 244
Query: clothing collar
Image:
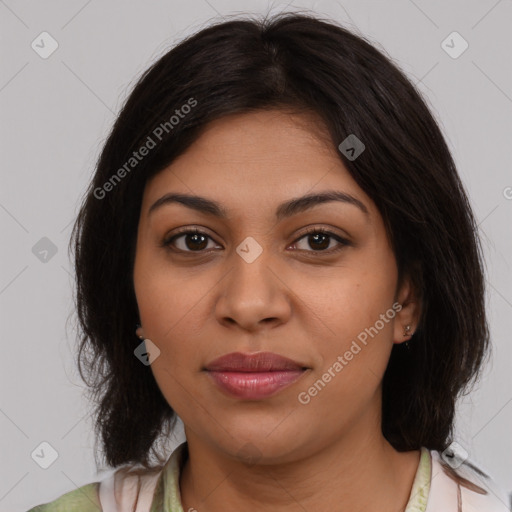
168 497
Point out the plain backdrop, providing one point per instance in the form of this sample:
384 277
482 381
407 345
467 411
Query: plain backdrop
55 114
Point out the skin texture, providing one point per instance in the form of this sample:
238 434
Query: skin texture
293 300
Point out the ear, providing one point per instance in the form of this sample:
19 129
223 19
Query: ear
139 333
407 319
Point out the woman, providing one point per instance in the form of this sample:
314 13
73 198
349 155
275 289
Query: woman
276 247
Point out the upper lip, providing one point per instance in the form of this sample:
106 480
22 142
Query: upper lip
258 362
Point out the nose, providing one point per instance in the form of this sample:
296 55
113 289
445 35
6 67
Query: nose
252 295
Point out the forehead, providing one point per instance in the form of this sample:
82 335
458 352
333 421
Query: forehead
274 130
255 160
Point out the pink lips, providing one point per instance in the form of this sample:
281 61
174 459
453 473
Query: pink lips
254 376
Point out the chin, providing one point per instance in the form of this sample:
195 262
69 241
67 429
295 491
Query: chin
257 444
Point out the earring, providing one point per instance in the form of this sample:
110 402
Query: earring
407 332
138 326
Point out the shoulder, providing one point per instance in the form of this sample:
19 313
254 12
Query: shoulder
466 484
126 488
129 489
82 499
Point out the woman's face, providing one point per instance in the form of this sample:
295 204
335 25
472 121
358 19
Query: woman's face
255 281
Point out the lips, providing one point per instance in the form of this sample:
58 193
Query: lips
259 362
254 376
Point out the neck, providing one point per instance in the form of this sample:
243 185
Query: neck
357 472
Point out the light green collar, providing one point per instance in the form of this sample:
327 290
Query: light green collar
167 493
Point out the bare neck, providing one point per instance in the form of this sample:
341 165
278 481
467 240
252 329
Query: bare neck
365 473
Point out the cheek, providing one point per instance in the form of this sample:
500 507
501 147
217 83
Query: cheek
348 301
172 321
168 298
352 315
372 286
173 308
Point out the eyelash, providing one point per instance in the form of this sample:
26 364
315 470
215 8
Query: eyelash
167 241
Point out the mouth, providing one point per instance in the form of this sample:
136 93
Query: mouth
254 376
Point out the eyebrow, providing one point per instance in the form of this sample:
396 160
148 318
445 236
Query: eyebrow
284 210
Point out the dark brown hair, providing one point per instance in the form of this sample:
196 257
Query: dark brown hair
298 63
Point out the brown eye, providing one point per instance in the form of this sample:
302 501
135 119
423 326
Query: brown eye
188 241
319 240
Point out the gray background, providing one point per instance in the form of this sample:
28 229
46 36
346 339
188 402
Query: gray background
56 112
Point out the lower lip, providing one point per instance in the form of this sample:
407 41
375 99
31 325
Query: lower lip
254 385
